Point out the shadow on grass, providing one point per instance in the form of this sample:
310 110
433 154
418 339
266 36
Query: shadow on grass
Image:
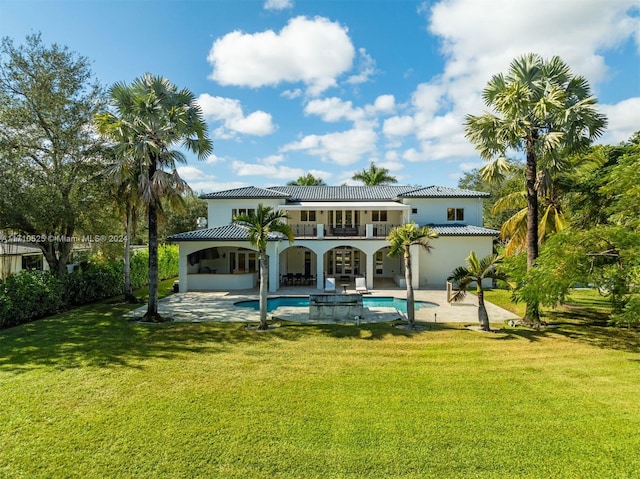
591 328
100 335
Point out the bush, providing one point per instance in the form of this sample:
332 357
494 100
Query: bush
29 295
168 265
33 294
93 282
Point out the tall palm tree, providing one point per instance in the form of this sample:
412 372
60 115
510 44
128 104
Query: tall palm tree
149 119
475 271
127 202
543 110
262 226
374 176
401 239
307 180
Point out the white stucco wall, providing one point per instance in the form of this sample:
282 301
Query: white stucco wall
220 209
434 210
448 253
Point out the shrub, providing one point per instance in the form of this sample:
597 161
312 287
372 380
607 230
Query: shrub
33 294
29 295
93 282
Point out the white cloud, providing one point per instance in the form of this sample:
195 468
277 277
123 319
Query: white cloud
398 126
278 4
385 104
268 167
624 120
191 173
292 94
214 185
366 68
333 109
313 51
343 148
213 159
479 38
229 112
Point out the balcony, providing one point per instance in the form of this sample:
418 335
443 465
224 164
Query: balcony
321 231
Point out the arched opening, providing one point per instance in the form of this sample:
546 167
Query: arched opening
298 266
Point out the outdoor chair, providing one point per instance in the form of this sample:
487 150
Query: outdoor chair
330 285
361 286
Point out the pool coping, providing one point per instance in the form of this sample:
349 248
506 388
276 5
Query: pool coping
218 306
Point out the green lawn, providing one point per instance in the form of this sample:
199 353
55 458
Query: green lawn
87 394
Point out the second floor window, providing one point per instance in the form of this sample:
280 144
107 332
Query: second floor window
455 214
242 211
379 215
306 215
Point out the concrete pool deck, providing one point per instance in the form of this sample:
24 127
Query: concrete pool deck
218 306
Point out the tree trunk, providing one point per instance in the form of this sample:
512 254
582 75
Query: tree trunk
532 314
483 317
407 277
264 275
128 290
57 260
152 308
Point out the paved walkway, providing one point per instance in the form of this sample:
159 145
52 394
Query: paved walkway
219 306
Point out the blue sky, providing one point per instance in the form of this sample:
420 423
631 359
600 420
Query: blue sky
296 86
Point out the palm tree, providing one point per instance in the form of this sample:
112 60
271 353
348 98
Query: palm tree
262 227
543 110
475 271
127 202
307 180
400 239
150 118
374 176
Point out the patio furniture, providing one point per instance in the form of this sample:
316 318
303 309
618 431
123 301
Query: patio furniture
330 285
361 286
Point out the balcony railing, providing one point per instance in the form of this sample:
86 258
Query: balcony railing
305 231
354 231
311 231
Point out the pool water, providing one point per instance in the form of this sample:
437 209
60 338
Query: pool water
303 301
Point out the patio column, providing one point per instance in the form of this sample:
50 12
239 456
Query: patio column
320 271
370 269
274 266
182 268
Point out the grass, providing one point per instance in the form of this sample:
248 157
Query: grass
89 394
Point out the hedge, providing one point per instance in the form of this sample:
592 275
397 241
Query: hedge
30 295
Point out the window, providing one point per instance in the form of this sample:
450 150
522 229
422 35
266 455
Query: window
32 262
242 211
379 215
414 211
455 214
306 215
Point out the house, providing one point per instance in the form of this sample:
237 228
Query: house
339 232
17 256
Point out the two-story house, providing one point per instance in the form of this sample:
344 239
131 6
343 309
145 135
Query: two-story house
339 232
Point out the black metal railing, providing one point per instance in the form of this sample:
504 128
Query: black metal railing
304 231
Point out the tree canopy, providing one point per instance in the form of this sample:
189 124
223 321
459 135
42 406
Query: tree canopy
542 109
374 175
307 180
49 152
149 119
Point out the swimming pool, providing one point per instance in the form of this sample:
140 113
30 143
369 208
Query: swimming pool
303 301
